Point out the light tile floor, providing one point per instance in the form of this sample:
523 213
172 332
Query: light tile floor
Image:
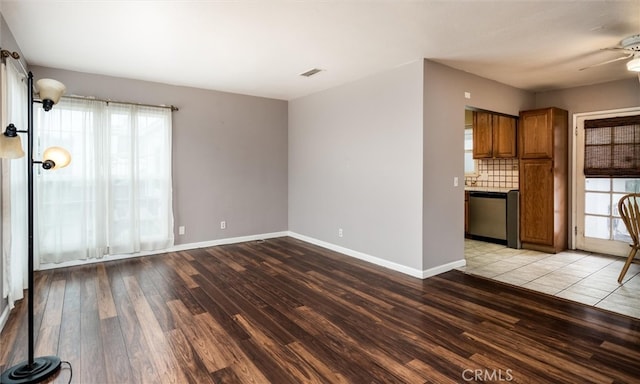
584 277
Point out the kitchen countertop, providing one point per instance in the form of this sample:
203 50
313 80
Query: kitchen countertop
488 189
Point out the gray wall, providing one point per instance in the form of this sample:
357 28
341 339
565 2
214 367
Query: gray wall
355 161
229 153
444 105
377 157
598 97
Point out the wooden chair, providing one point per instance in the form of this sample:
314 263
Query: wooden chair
630 213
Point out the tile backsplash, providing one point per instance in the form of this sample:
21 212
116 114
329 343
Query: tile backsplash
495 173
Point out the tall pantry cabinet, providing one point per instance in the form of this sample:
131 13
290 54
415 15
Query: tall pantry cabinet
543 148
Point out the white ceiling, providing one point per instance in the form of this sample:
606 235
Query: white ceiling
261 47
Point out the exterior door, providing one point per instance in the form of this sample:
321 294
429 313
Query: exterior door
597 223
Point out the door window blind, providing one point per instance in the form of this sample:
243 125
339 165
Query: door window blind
612 147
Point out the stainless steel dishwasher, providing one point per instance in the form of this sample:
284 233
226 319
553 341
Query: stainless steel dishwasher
488 215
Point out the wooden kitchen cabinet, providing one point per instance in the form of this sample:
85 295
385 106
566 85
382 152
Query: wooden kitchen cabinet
482 135
536 140
536 200
494 136
542 143
504 137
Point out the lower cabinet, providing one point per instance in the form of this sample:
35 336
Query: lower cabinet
543 212
536 200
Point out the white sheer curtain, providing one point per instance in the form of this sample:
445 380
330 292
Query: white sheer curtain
70 202
14 192
115 196
140 197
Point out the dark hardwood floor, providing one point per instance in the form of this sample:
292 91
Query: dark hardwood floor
284 311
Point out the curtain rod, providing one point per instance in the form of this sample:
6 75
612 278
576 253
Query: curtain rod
4 53
172 107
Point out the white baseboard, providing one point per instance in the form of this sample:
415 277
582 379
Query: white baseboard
231 240
381 262
175 248
421 274
443 268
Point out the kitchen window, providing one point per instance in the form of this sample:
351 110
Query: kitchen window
470 164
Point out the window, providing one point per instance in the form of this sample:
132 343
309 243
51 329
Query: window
611 168
115 197
602 219
469 162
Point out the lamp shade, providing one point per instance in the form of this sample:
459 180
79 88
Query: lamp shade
11 147
59 156
634 64
50 89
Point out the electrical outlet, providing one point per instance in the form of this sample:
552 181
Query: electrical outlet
340 233
455 181
223 224
181 230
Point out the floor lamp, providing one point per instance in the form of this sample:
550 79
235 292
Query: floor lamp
35 369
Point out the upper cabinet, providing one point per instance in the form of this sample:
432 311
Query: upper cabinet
504 136
494 136
482 135
536 136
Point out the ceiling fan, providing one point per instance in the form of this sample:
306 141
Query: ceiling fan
631 46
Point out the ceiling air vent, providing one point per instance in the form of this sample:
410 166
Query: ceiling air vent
311 72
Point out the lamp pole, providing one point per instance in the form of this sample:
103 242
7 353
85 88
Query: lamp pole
30 212
34 370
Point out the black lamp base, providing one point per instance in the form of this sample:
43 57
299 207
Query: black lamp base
23 373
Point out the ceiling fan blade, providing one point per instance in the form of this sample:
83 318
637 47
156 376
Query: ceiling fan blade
608 61
614 49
